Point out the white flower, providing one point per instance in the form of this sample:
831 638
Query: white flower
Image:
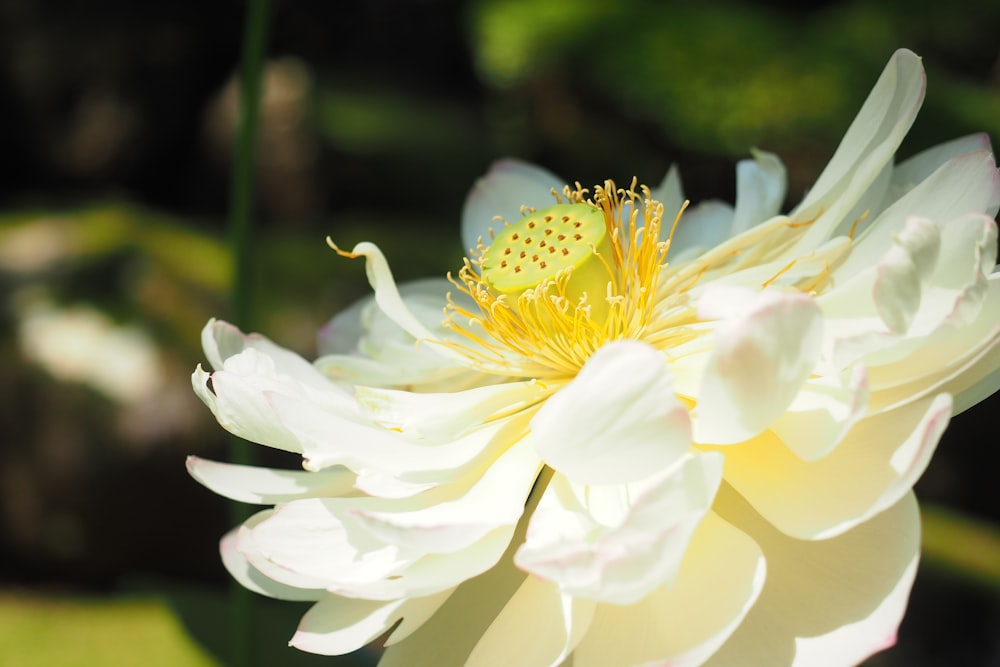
656 437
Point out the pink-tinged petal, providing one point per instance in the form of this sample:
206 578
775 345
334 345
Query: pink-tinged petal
337 625
876 464
952 361
506 187
618 420
826 603
911 172
966 184
760 361
623 560
538 627
822 414
951 299
866 148
903 270
722 574
268 486
249 576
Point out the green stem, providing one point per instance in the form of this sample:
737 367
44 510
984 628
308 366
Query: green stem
241 298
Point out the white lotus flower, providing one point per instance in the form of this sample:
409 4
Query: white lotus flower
640 436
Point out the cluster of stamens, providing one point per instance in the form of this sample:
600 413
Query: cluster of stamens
555 286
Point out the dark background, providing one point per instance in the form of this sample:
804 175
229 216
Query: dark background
116 121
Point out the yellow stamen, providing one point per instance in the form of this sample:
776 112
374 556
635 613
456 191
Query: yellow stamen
599 286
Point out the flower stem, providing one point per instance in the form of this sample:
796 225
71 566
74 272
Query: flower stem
240 218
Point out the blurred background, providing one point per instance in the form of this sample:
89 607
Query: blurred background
116 128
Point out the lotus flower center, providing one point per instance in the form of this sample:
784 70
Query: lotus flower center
532 251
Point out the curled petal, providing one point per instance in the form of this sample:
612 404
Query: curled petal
901 272
822 414
966 184
622 561
758 365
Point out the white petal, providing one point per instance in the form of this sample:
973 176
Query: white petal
249 576
822 414
670 193
386 293
826 603
496 499
449 637
757 367
617 421
341 334
267 486
538 627
875 465
223 341
952 360
912 171
242 410
337 625
386 548
443 416
760 190
866 148
951 297
702 226
720 578
362 345
328 439
506 187
966 184
434 572
305 545
902 271
624 561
